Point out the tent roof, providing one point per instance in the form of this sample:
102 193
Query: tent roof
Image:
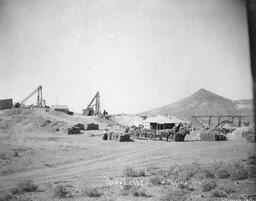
162 120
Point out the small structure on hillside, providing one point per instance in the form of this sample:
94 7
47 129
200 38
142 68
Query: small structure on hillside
6 104
62 108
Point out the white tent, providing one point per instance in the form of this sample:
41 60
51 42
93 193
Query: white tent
163 120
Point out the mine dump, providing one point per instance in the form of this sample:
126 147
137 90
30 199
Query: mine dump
137 100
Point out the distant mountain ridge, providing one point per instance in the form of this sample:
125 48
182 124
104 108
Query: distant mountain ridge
204 102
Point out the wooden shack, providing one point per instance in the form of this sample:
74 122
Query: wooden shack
5 103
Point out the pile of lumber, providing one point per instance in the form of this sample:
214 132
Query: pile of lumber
73 130
92 126
125 138
76 129
80 126
179 137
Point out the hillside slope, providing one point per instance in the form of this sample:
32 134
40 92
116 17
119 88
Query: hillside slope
203 102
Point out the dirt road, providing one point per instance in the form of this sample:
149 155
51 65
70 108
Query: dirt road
120 155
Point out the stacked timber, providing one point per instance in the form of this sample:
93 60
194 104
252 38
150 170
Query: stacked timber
92 126
125 138
73 130
76 129
80 126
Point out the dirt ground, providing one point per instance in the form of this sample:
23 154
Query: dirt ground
50 157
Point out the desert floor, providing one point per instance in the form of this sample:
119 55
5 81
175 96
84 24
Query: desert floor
52 158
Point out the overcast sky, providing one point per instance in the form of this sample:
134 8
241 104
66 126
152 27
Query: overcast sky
139 54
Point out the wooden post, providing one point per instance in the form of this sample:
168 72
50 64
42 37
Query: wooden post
232 120
210 119
219 120
239 121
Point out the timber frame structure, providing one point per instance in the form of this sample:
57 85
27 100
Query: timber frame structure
240 118
39 102
93 109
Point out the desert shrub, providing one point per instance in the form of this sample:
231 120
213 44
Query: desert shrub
141 173
15 190
135 191
92 191
249 135
5 156
183 185
177 195
138 192
218 193
223 173
6 197
156 180
229 188
208 185
190 171
251 158
132 172
62 191
209 173
7 171
15 153
24 186
221 170
251 169
125 189
238 172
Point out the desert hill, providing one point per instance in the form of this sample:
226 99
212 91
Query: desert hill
204 102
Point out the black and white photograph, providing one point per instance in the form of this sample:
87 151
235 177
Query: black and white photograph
127 100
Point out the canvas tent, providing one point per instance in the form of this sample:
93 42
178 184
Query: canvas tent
161 122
